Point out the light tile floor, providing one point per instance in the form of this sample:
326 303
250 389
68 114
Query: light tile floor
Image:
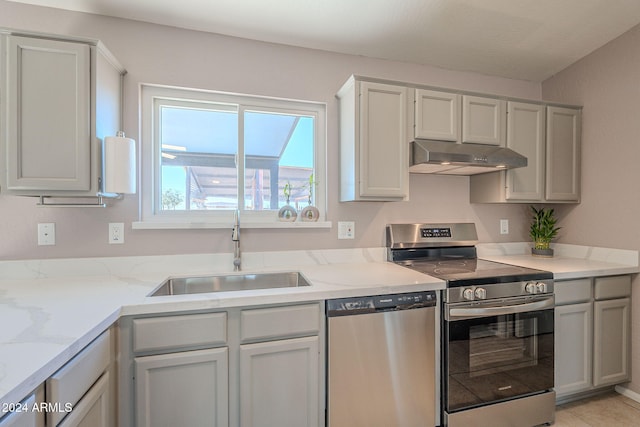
606 410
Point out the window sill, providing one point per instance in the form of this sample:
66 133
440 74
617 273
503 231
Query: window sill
139 225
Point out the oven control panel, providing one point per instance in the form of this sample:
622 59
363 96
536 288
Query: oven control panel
435 232
498 290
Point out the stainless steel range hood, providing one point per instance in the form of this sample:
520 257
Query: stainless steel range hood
449 158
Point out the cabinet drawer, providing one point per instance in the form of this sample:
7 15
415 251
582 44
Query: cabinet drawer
73 380
278 322
572 291
161 333
612 287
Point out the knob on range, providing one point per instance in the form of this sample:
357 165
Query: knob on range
468 294
535 287
474 293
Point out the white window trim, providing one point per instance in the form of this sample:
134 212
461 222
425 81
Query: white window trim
149 218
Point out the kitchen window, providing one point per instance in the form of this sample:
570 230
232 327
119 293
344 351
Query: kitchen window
206 154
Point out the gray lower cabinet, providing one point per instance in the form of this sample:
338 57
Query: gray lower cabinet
611 334
94 409
592 334
188 388
573 343
22 414
249 366
85 385
80 394
279 383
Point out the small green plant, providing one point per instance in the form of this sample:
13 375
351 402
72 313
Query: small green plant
287 191
543 227
312 183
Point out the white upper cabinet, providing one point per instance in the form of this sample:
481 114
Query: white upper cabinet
48 115
62 98
379 119
447 116
374 151
437 115
551 145
563 154
483 120
526 136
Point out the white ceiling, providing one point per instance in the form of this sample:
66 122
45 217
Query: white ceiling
522 39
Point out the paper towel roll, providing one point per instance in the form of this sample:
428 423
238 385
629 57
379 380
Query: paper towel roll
120 165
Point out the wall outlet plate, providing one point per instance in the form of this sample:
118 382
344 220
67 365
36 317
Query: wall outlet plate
47 234
116 233
346 229
504 226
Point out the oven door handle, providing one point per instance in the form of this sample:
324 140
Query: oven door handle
470 312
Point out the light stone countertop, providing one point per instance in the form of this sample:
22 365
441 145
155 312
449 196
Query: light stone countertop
568 262
51 309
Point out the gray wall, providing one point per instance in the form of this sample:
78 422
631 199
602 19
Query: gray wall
607 84
171 56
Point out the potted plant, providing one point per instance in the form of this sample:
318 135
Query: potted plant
287 213
310 213
543 230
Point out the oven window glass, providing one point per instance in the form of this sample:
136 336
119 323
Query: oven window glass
498 358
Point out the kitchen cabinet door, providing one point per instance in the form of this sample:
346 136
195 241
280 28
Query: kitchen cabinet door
188 388
612 345
279 383
383 151
61 98
23 415
48 115
437 115
563 154
374 150
483 120
526 136
93 410
573 342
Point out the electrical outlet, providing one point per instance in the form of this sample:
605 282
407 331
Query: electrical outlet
346 229
504 226
116 233
47 233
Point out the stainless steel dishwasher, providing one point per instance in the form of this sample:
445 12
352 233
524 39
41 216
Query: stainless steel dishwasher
381 361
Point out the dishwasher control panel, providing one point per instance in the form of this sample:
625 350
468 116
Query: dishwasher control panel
375 303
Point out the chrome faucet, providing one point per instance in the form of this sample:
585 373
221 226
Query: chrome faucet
235 237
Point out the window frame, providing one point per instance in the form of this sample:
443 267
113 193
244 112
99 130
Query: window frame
151 217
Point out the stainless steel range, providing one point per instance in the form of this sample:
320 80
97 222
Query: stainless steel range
497 328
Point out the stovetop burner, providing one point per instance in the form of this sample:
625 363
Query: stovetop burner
474 271
447 251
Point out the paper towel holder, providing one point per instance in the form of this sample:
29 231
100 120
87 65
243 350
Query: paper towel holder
119 165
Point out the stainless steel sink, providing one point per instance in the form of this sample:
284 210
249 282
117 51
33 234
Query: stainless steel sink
230 282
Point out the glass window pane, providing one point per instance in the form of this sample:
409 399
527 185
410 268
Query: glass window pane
279 150
198 150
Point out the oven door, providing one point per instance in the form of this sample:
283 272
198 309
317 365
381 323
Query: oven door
497 351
